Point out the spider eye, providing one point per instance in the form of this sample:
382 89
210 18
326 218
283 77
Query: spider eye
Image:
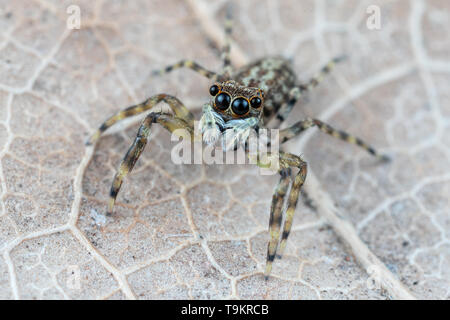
256 102
240 106
222 101
213 90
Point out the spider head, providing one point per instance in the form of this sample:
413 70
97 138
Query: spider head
232 112
234 101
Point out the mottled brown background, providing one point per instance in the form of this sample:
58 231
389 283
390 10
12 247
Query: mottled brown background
200 232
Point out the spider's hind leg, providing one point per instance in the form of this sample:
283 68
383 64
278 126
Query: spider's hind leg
298 91
224 56
317 79
226 49
297 128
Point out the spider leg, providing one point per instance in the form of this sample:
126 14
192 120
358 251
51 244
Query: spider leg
286 161
286 108
300 90
169 122
292 204
275 218
317 79
187 64
176 105
297 128
226 49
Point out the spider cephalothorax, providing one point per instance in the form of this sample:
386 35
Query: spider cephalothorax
233 111
241 100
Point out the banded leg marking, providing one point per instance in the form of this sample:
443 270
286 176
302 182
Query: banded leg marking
169 122
186 64
292 204
287 161
317 79
176 105
300 90
297 128
276 215
226 49
286 108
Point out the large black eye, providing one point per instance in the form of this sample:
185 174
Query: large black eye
240 106
255 102
213 90
222 101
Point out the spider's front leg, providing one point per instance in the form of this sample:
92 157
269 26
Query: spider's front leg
169 122
286 161
183 119
177 107
276 216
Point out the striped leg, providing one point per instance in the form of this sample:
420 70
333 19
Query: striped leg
225 53
187 64
297 128
314 82
275 219
286 108
169 122
177 107
286 161
300 90
292 204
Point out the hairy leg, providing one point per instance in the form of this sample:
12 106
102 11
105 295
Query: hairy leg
317 79
292 204
297 128
169 122
286 162
276 215
190 65
177 107
225 52
301 89
225 57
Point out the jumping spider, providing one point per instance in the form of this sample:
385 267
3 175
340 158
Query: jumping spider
241 100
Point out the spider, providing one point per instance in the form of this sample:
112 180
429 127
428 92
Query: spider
242 99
